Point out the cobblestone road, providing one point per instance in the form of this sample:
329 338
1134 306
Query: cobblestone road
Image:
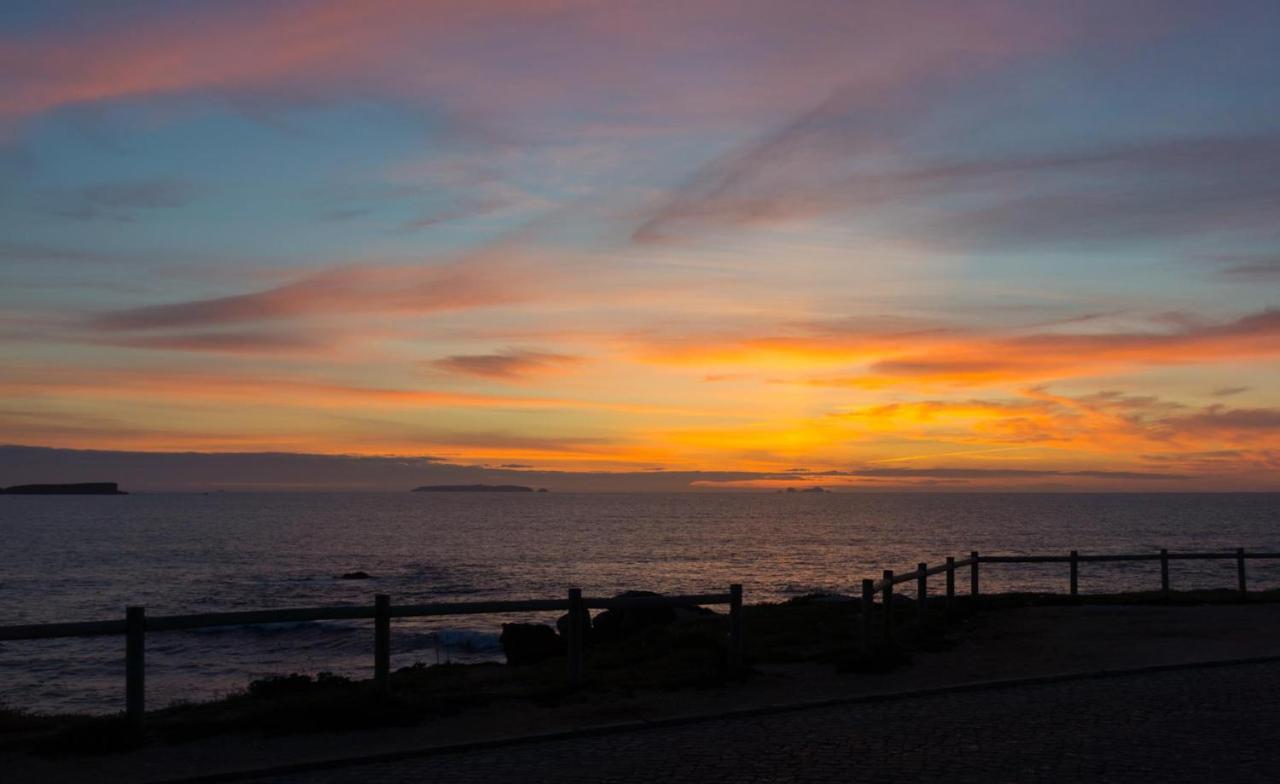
1220 724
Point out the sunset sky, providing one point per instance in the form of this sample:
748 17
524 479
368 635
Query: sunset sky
945 245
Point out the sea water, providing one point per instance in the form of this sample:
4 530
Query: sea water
87 558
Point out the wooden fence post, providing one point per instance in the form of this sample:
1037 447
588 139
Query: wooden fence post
886 598
868 602
922 592
1244 587
951 582
973 574
135 689
735 628
382 642
576 633
1164 573
1075 576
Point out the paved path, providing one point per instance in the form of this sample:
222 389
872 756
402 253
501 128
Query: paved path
1216 724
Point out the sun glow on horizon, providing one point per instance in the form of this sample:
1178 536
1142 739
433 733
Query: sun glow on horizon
738 240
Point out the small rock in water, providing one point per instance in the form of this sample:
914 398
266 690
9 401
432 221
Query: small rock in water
355 576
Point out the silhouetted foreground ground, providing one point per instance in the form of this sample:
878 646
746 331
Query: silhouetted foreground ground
798 652
1191 725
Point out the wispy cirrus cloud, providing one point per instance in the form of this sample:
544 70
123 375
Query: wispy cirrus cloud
158 385
1251 268
833 161
122 201
461 211
17 252
382 288
510 365
235 341
461 54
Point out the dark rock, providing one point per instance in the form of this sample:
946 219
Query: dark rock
624 622
530 643
354 576
562 626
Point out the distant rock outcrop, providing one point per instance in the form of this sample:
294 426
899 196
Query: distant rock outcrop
474 489
356 575
79 488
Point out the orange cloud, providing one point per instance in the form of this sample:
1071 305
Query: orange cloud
1046 356
958 357
1108 423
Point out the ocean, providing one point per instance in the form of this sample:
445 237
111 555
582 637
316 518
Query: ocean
87 558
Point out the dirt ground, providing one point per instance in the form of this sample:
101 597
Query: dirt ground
995 645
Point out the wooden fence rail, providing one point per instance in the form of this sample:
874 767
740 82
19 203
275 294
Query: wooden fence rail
136 624
921 574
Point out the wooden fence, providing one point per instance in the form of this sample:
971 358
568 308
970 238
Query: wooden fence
921 574
136 623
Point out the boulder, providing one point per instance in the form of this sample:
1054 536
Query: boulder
624 622
562 626
530 643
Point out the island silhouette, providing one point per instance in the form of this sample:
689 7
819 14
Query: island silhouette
477 489
77 488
